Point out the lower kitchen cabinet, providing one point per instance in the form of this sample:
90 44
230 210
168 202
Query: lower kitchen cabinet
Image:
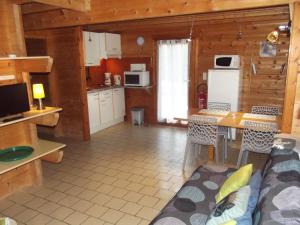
106 108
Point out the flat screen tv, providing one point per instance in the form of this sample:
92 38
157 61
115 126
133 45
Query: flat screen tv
13 99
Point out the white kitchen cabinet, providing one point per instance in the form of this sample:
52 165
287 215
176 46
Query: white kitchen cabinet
106 108
91 48
94 112
119 103
110 45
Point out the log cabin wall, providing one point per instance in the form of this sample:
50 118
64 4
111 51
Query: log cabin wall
67 84
296 119
240 35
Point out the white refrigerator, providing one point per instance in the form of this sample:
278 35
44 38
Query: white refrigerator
224 86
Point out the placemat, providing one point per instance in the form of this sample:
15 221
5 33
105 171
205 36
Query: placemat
214 112
259 116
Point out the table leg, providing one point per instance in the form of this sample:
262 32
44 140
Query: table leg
211 154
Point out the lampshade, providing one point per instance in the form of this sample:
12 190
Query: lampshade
38 91
273 37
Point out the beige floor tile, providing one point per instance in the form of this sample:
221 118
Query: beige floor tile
87 194
43 192
104 188
115 203
118 192
147 213
149 181
76 218
92 185
123 175
111 172
112 216
121 183
40 219
148 190
63 187
26 215
92 221
82 206
56 196
21 197
132 196
131 208
75 190
35 203
136 178
134 187
56 222
69 201
101 199
160 204
96 211
144 222
48 208
109 180
129 220
165 194
148 201
61 213
5 203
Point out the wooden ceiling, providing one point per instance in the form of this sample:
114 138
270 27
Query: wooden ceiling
38 16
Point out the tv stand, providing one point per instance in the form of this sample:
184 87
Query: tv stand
12 118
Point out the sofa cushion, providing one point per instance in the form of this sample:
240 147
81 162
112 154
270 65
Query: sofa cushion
231 207
279 201
237 180
194 201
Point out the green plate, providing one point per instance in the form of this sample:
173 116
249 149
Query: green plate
15 153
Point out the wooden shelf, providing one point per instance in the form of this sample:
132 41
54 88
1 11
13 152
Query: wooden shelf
36 64
41 148
33 114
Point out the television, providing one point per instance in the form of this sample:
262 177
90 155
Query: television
13 99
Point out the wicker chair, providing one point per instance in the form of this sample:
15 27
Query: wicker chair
202 130
224 131
266 110
257 137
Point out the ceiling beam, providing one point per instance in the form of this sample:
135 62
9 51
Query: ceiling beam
103 11
76 5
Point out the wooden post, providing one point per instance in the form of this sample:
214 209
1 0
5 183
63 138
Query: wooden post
291 81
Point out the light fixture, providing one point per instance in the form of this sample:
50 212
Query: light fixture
273 36
38 93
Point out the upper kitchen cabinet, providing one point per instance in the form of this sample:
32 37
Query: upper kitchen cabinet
110 45
101 46
91 42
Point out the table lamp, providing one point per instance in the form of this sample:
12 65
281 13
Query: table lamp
38 93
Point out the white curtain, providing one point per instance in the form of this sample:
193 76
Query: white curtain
173 70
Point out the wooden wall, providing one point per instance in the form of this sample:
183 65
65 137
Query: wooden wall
67 84
296 119
220 36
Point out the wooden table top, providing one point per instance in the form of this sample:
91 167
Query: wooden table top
233 119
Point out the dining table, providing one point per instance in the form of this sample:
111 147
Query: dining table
233 120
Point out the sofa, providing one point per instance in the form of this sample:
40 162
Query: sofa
278 199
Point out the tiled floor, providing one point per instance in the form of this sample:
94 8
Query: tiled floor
123 176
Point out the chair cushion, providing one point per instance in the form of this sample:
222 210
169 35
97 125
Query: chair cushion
237 180
231 207
195 200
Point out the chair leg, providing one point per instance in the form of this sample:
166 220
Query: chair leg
230 133
223 148
240 158
226 147
216 153
245 157
187 147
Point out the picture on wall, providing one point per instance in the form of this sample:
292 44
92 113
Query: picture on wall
267 49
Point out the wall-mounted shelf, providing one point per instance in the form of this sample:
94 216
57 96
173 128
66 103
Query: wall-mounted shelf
26 64
33 114
41 148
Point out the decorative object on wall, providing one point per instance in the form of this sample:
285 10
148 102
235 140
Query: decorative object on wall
273 36
140 41
267 49
38 93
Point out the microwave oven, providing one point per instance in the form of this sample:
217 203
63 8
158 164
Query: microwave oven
227 62
136 78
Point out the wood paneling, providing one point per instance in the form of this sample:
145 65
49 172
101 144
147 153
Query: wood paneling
220 37
67 84
291 82
116 10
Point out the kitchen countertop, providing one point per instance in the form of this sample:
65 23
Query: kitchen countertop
102 88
